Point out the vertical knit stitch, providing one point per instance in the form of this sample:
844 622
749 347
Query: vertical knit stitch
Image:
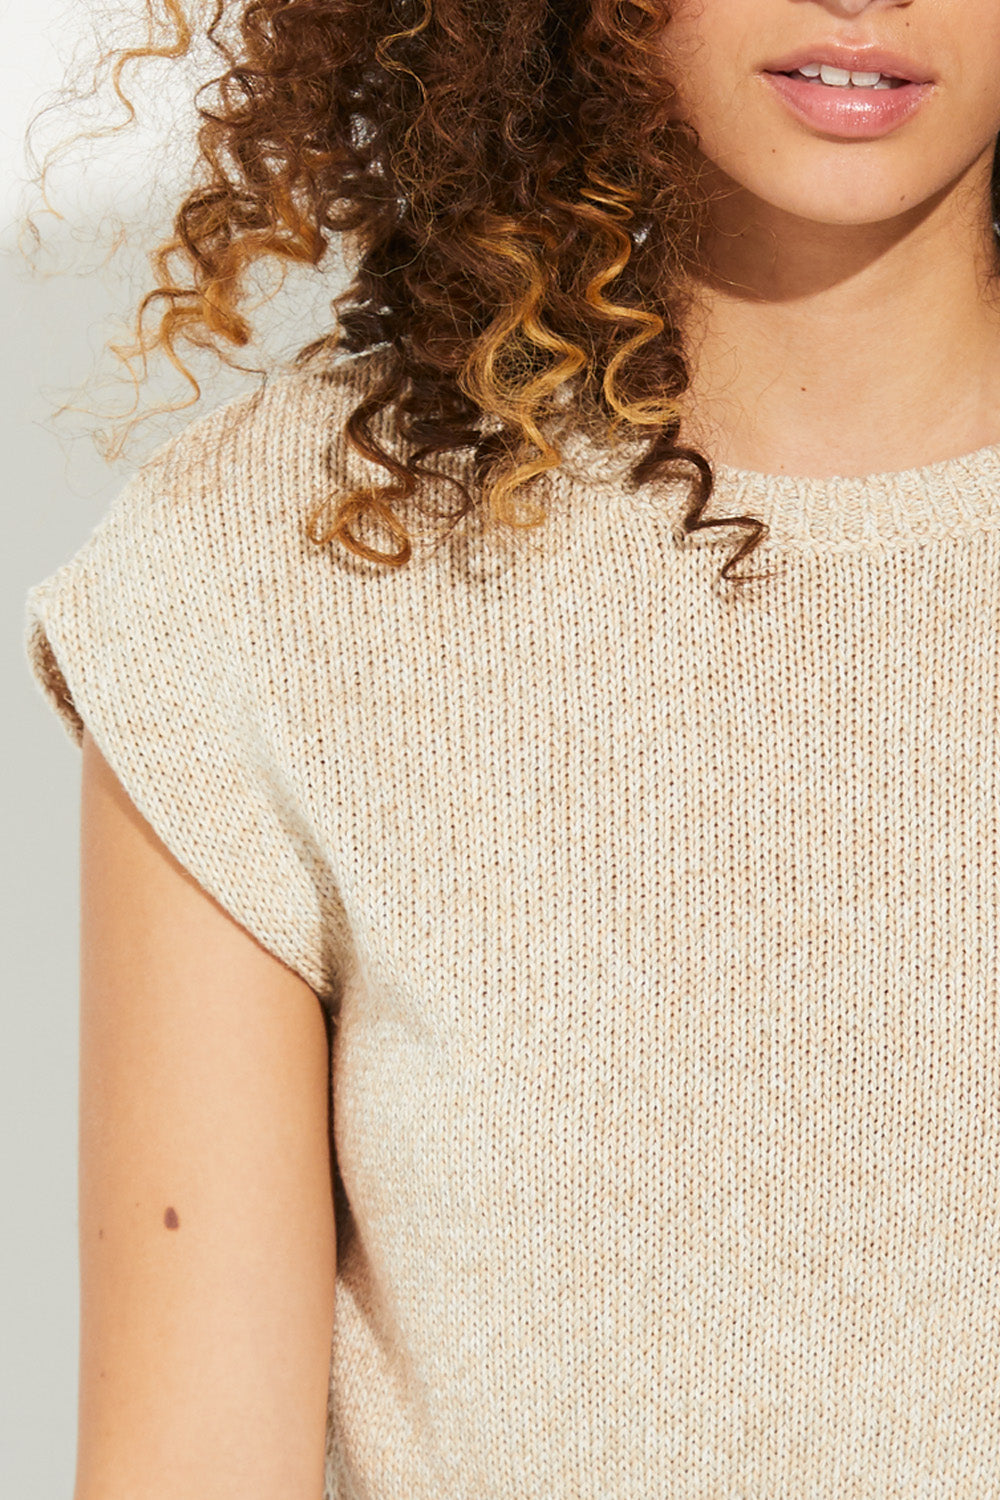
659 929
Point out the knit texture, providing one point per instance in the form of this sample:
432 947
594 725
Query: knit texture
658 928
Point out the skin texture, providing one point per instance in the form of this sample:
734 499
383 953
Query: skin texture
207 1236
846 324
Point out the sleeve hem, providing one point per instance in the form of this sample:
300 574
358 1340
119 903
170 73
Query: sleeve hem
67 691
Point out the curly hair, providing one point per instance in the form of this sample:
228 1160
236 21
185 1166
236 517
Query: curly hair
521 212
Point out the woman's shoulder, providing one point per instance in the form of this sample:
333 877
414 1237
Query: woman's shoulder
208 530
269 449
186 635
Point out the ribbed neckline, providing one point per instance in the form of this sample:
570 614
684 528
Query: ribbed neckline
946 498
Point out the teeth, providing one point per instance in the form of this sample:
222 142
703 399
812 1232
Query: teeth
843 78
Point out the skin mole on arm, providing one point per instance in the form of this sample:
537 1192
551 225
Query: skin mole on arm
170 1219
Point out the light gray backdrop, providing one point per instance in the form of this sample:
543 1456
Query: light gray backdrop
55 322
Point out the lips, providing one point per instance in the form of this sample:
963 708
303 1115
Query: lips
848 113
854 59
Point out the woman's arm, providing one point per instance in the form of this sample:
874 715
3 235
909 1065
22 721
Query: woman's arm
207 1239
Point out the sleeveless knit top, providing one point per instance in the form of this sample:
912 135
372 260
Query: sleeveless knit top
657 925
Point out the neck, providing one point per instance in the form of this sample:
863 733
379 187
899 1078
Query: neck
825 349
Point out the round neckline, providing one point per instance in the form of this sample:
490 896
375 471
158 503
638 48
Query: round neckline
948 497
889 476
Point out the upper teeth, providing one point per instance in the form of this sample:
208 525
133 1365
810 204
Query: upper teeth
841 77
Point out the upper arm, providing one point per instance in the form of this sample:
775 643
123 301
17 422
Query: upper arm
204 1348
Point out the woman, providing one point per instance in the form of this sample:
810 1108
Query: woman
650 902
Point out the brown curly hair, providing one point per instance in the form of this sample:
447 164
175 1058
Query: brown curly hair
521 212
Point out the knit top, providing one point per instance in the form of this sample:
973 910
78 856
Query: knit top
657 925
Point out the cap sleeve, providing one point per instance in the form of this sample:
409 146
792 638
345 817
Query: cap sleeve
149 636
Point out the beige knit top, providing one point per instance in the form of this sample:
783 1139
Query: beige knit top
658 925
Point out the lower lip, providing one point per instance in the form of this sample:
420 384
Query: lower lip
853 113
